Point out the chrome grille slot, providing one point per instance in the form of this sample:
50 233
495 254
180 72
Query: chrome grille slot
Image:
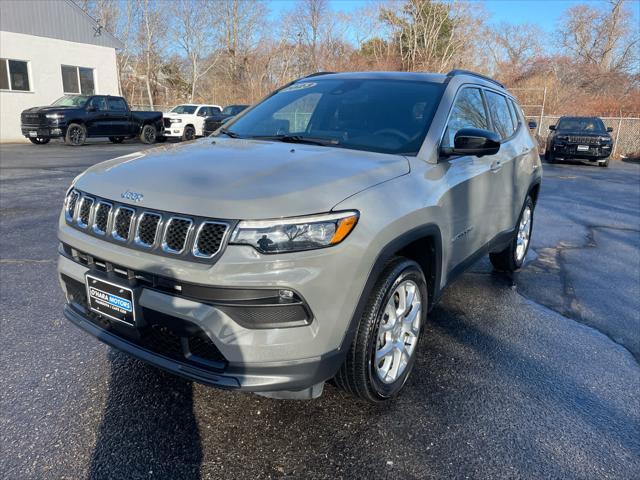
584 140
209 239
193 238
101 217
70 205
122 223
175 234
147 229
85 212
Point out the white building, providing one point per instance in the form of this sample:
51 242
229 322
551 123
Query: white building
49 48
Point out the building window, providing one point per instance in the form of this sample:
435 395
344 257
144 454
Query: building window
78 80
14 75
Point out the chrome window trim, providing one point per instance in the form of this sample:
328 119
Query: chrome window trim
114 233
196 252
136 238
79 222
94 226
165 247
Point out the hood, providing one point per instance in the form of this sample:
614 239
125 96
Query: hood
241 179
582 133
49 108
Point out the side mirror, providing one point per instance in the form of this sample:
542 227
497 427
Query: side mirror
474 141
609 129
91 108
533 124
552 127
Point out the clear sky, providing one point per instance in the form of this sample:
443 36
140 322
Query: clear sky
543 13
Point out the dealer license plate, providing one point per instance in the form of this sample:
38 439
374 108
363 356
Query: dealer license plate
111 300
583 148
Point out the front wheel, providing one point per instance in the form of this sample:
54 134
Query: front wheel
604 164
76 135
512 257
40 140
189 133
383 351
148 134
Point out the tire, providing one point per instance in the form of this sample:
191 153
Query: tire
116 139
76 135
549 157
40 140
511 258
189 133
161 139
360 374
148 134
604 164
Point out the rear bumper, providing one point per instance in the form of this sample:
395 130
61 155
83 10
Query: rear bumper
291 376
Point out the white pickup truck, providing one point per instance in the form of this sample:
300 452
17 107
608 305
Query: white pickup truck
186 121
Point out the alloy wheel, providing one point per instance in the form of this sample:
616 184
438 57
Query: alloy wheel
398 332
524 232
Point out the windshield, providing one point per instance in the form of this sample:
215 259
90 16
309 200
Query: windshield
71 101
185 109
233 109
589 124
388 116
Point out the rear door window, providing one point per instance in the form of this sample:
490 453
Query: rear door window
503 123
99 103
117 104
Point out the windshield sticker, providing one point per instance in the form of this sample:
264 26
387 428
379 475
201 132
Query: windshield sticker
298 86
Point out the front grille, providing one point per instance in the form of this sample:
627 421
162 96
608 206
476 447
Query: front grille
85 212
176 234
33 119
584 140
199 239
147 229
209 239
122 223
101 220
70 207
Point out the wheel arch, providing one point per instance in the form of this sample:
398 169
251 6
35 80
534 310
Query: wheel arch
423 245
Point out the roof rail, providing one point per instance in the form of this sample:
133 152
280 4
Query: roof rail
453 73
316 74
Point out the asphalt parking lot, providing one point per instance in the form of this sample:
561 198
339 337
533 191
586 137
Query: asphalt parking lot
530 376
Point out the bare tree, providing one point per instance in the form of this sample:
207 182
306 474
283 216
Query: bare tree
605 38
194 21
150 25
514 48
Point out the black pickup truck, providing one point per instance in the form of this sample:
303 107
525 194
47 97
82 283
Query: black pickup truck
77 117
580 138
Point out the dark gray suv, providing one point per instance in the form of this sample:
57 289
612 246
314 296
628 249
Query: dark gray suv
307 239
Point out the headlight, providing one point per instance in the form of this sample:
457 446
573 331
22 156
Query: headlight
175 120
295 234
55 116
562 137
605 139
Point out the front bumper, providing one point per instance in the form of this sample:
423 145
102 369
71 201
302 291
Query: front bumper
570 150
43 132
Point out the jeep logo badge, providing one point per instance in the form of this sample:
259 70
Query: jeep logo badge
133 196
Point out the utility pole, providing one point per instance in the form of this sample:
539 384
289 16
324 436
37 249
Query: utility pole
544 99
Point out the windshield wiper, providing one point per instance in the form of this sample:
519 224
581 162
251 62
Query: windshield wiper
229 133
299 139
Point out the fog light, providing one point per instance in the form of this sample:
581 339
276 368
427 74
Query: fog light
286 294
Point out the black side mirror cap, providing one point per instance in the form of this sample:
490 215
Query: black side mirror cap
532 124
609 129
474 141
552 127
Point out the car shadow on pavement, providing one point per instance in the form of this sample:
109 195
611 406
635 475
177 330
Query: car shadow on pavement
148 429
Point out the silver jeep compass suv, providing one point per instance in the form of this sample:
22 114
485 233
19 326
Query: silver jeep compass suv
308 238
